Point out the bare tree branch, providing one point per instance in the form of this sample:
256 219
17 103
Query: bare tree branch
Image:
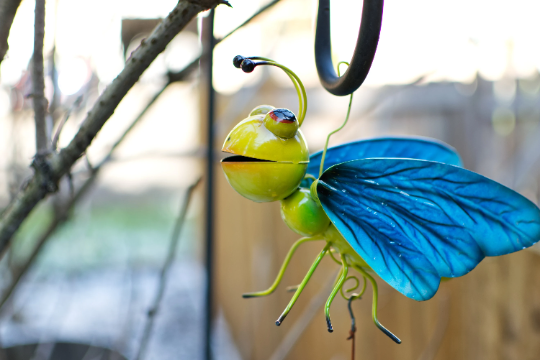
64 212
184 73
248 20
8 8
164 274
59 218
38 81
60 127
48 173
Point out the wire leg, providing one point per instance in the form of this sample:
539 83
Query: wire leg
282 270
302 285
295 287
334 292
374 306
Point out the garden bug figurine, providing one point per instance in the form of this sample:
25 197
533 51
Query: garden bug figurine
402 208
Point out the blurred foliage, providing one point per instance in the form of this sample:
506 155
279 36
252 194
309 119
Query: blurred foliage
111 234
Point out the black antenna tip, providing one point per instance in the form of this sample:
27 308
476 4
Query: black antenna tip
280 320
389 333
237 61
248 65
329 324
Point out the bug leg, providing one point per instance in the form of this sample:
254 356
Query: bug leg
282 270
354 296
293 288
302 285
337 286
331 253
374 306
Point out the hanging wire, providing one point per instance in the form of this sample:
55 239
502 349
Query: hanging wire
321 169
352 332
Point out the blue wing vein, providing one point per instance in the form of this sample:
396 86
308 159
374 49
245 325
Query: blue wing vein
415 221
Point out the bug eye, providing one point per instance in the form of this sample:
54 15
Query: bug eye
282 123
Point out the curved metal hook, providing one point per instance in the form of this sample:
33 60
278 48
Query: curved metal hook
366 45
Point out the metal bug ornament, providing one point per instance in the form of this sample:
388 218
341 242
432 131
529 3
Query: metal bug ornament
403 208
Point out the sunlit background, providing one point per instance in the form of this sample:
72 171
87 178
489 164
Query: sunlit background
465 72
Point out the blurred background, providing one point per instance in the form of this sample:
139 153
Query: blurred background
464 72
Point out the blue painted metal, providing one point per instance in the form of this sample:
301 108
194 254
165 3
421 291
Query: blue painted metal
392 147
415 221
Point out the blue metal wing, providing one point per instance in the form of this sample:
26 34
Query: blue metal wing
391 147
415 221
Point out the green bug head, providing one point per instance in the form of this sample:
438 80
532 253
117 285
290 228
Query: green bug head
261 110
270 152
265 167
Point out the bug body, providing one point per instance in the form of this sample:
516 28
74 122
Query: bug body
266 167
403 208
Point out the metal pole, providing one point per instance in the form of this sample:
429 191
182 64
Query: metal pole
209 253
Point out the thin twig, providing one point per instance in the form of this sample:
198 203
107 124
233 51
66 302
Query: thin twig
38 81
61 218
8 8
185 72
130 127
56 136
194 153
259 12
48 173
164 274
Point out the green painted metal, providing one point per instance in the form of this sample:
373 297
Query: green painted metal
303 215
264 181
250 138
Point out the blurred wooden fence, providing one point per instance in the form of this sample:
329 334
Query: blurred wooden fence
492 313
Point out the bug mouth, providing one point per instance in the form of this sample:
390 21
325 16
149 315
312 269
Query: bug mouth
241 158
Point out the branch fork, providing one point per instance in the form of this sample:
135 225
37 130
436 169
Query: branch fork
51 167
43 172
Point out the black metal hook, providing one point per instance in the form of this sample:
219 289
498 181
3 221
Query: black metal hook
366 45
